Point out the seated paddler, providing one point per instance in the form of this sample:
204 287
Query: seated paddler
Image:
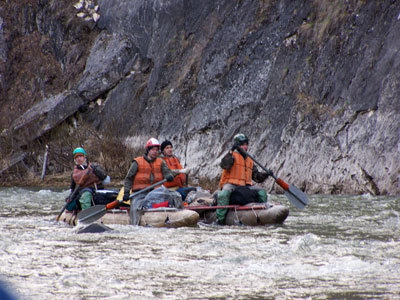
239 171
180 174
86 179
145 171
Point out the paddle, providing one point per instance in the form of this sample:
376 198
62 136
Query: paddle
295 196
66 204
94 213
81 181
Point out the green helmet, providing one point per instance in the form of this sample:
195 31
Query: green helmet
79 150
241 139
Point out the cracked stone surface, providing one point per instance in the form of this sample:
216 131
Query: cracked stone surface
318 98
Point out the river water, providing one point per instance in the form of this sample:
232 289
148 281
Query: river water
339 247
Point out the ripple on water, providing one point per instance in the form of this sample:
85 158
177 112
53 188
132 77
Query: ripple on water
338 247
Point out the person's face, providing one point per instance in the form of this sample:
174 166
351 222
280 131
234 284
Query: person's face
80 159
245 146
168 151
153 152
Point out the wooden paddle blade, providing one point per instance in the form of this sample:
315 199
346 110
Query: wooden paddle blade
92 214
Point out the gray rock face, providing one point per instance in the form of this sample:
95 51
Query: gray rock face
111 59
44 116
315 87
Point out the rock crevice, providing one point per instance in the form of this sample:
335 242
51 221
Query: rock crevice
313 85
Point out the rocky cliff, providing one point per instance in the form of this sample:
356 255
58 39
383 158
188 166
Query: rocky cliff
314 84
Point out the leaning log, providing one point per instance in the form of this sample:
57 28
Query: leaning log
8 162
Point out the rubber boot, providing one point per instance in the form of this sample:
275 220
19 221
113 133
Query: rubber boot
262 196
86 200
223 199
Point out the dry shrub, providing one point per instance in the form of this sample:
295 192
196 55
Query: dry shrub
327 16
106 149
308 105
112 154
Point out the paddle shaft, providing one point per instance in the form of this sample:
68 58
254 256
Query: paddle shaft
116 202
295 196
66 204
84 177
96 212
279 181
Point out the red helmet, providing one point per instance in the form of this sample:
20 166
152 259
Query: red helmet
152 143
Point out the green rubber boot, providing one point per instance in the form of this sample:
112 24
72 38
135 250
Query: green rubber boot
86 200
223 199
262 196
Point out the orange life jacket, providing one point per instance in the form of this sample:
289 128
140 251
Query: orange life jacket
240 173
90 180
174 164
145 169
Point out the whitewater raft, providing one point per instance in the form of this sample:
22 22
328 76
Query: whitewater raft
199 210
159 217
252 214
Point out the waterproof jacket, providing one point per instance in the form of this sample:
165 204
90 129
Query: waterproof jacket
84 177
174 164
240 173
130 176
147 173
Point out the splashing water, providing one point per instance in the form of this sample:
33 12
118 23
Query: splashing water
339 247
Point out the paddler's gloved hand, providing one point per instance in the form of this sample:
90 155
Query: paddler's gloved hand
269 172
170 178
262 176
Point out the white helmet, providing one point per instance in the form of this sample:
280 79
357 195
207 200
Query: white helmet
152 143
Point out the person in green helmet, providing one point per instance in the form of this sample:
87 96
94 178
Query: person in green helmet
89 177
239 170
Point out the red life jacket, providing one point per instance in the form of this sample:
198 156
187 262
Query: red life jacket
174 164
240 173
91 178
145 169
